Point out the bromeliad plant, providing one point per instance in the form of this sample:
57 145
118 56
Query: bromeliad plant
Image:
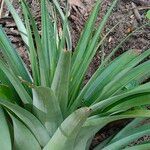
50 109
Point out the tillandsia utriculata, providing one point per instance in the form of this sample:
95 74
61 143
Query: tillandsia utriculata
50 109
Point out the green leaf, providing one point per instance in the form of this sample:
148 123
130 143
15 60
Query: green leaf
89 51
125 141
44 78
105 63
139 147
8 88
133 63
86 62
121 143
92 89
78 55
60 82
109 74
84 38
62 15
85 134
23 138
49 40
137 125
123 78
18 21
5 141
12 57
130 102
122 41
98 120
32 50
7 93
148 14
145 88
103 143
4 79
25 97
29 120
47 108
46 36
65 135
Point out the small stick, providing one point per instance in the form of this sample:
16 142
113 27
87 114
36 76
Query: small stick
138 7
1 9
144 7
136 13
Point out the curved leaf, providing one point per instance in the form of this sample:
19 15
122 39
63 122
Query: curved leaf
145 88
12 57
47 108
25 97
64 137
18 21
139 147
60 84
30 120
5 141
23 138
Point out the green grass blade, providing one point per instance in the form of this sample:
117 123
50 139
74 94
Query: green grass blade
18 21
46 108
23 138
5 141
30 121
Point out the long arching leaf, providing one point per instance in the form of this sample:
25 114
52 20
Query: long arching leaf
5 141
23 138
29 120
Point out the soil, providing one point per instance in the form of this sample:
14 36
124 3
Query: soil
79 12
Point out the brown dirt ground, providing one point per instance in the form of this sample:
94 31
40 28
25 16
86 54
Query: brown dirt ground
79 14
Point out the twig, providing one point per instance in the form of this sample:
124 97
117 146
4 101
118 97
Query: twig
1 9
138 8
143 8
136 12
